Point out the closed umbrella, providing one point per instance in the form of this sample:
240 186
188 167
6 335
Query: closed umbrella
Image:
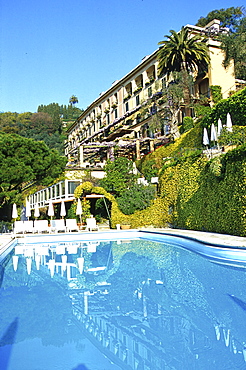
219 127
205 137
36 211
213 133
51 209
28 209
14 211
63 209
228 122
79 210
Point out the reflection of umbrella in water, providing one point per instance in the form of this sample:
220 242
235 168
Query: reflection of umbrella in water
15 262
51 266
28 209
205 137
80 261
63 209
64 262
36 211
37 260
51 209
79 210
228 122
14 211
28 265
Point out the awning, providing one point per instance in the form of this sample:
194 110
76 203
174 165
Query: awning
94 196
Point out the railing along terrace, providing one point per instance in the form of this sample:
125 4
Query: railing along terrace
63 190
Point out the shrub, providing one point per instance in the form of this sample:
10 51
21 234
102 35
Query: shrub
136 198
188 123
216 93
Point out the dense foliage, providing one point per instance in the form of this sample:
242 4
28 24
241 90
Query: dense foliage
119 176
136 198
229 17
234 42
207 195
45 125
235 105
24 161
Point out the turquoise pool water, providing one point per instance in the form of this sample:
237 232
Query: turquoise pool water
138 301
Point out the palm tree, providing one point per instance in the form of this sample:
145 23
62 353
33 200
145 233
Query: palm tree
73 100
183 53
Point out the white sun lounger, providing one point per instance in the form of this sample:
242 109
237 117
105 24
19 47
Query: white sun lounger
91 224
41 226
71 225
22 227
58 225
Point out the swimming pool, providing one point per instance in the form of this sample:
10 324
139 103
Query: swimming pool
128 300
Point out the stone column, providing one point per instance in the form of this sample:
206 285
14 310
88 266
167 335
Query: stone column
81 155
151 145
138 149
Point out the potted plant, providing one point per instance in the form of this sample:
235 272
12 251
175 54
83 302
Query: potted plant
125 225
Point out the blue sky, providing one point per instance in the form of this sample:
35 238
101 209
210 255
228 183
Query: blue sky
52 49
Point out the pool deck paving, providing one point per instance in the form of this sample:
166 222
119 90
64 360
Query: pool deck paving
206 237
224 240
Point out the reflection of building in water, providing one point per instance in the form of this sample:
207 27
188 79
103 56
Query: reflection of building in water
150 333
151 337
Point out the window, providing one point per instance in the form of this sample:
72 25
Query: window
108 119
72 185
163 81
115 113
137 100
149 91
127 106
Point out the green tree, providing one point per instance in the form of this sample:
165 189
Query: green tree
24 161
184 53
73 100
229 17
234 47
119 176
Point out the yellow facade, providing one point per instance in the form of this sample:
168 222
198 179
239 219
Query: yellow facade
116 118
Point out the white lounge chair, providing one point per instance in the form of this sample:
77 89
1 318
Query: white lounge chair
22 227
58 225
91 224
71 225
28 226
41 226
18 227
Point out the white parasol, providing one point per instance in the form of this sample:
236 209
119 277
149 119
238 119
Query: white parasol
28 209
36 211
51 209
63 209
228 122
213 133
205 140
79 210
219 127
14 211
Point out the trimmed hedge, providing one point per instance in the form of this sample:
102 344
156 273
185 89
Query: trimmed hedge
235 105
207 195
